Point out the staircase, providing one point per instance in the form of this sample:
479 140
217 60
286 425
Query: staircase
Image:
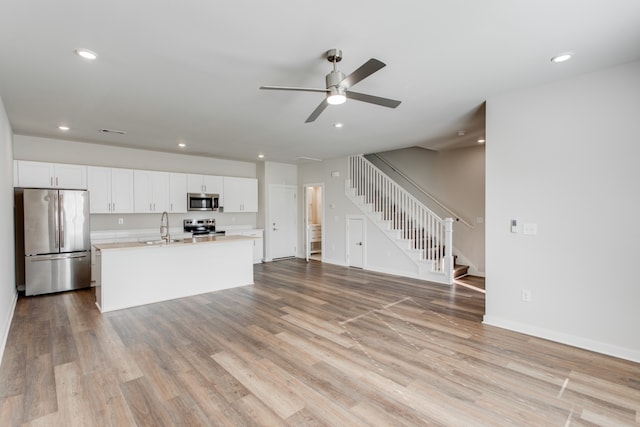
459 270
424 238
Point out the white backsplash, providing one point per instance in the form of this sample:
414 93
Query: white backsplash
109 222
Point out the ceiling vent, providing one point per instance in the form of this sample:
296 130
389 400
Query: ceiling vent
309 159
119 132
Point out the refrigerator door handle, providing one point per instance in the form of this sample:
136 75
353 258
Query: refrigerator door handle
56 257
61 222
56 222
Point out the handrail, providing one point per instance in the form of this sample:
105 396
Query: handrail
412 182
428 233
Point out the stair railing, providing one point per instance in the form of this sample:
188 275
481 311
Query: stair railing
416 223
421 190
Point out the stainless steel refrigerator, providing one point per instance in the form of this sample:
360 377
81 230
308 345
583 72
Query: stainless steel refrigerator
53 241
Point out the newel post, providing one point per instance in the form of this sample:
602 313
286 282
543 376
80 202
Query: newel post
448 249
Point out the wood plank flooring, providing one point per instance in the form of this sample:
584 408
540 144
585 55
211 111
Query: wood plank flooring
307 345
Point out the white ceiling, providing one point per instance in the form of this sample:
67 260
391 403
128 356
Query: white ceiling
171 71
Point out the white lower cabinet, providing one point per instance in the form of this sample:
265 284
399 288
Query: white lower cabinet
258 248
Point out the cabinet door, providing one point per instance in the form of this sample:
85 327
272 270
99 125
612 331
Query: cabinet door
213 185
70 176
160 191
35 174
121 190
258 249
99 184
142 191
178 192
250 195
194 183
233 190
241 194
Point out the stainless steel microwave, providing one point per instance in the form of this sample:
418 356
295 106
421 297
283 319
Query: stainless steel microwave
202 202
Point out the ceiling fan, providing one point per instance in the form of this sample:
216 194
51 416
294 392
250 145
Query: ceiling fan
338 85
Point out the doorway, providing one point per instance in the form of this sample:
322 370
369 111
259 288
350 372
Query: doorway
313 221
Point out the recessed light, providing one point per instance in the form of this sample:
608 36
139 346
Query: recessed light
64 128
338 125
261 156
562 57
182 144
86 54
481 141
461 133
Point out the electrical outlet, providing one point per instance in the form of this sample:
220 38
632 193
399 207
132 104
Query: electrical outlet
526 295
120 221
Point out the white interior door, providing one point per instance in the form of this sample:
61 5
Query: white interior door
355 244
283 212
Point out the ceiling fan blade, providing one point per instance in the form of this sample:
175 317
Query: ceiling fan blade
299 89
365 70
319 109
385 102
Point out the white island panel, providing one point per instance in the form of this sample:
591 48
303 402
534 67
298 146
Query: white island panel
132 276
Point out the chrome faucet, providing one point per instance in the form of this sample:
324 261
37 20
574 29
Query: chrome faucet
164 226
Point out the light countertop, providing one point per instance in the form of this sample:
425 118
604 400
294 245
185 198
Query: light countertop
157 243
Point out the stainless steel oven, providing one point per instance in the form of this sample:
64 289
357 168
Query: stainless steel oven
202 202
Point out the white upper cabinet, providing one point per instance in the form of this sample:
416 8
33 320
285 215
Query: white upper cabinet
241 194
110 190
151 191
209 184
178 192
51 175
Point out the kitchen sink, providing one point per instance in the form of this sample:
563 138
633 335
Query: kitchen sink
160 242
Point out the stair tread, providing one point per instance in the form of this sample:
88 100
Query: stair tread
460 270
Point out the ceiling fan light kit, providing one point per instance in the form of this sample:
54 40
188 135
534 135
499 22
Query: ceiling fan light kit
337 86
336 96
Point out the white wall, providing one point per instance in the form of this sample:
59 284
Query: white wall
456 179
272 173
380 253
60 151
8 294
565 156
335 205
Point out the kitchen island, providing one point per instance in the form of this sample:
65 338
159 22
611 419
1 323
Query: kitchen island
130 274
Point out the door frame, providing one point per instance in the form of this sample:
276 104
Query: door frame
305 219
364 239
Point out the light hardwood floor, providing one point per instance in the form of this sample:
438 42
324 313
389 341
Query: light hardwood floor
307 345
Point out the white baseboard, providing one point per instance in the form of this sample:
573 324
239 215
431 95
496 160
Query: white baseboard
401 273
568 339
5 333
334 262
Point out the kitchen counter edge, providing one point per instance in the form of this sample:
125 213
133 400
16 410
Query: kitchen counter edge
180 242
